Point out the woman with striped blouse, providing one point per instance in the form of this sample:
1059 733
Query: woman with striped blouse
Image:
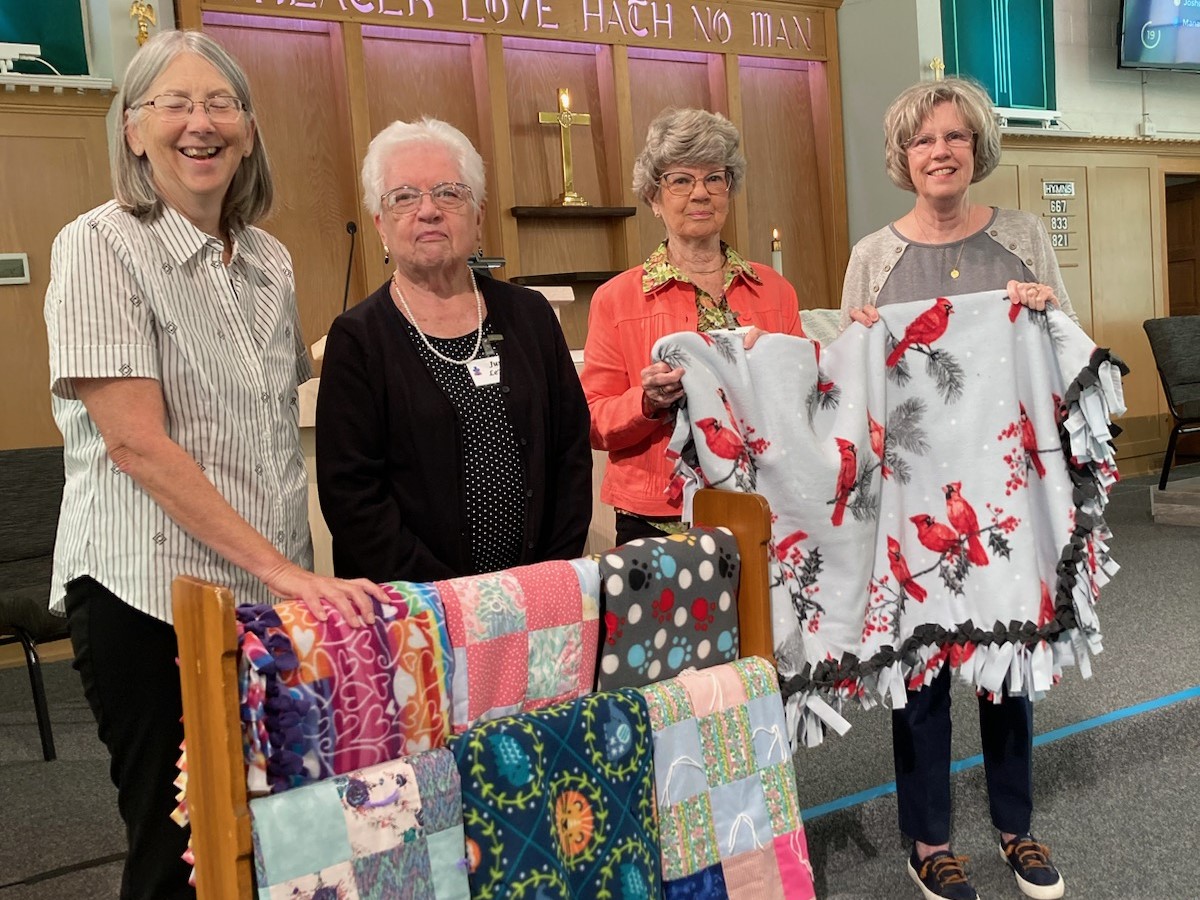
175 357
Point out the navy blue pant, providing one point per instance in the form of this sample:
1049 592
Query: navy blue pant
126 660
921 745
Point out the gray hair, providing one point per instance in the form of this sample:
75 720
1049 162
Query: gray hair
904 117
401 135
687 137
252 190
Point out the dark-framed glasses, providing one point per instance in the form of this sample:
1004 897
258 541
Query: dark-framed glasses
446 196
682 184
221 108
957 138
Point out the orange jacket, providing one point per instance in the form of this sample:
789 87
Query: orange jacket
623 324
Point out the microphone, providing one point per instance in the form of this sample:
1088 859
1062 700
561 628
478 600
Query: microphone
352 230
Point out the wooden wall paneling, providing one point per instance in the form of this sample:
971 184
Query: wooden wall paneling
552 246
658 80
613 74
488 70
1122 210
1001 188
825 88
303 117
1183 249
63 134
737 226
536 70
783 180
411 73
349 62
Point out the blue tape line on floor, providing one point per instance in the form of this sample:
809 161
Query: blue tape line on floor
882 790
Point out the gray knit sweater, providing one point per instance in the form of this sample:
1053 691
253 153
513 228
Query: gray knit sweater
1017 232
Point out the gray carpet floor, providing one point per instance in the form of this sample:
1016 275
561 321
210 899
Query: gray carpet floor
1118 799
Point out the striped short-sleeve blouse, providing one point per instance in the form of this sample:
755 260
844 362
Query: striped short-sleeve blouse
128 299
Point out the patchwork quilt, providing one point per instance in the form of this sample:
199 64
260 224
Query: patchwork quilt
387 832
729 819
559 802
670 604
523 638
937 483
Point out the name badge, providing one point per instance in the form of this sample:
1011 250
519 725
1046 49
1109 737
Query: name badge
485 371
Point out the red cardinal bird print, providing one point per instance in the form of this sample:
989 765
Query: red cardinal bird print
933 534
721 440
900 570
846 478
877 443
1029 442
962 517
782 548
924 329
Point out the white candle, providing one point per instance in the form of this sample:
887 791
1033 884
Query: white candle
776 251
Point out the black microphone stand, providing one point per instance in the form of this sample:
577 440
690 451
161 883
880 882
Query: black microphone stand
351 229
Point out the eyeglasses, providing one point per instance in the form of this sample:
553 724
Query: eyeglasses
446 196
681 184
221 108
924 143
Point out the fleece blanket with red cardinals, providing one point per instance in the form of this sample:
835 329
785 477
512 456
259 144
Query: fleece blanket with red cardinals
937 486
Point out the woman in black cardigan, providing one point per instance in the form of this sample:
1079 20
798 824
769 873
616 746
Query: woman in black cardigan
452 432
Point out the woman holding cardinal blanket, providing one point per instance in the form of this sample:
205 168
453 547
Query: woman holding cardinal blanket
940 138
688 173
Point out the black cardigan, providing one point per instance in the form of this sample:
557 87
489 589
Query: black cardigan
389 447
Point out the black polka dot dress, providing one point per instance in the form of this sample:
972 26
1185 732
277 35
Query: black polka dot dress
492 472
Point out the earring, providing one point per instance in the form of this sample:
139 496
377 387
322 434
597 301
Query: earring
387 255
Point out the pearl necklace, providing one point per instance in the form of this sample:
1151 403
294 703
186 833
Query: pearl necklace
432 349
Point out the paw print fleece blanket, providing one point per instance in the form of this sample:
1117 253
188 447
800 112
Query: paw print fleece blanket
937 484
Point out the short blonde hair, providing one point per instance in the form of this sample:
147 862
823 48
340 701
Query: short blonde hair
252 190
903 120
688 137
399 135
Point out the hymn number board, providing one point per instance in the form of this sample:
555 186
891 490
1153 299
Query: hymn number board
1061 203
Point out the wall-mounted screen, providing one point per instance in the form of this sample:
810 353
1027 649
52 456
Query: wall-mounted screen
59 27
1160 34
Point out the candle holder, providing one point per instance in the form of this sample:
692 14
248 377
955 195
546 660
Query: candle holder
776 251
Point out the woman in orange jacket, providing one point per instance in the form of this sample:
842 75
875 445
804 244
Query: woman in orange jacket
687 174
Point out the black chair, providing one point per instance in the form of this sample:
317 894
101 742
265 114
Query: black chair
1175 342
31 485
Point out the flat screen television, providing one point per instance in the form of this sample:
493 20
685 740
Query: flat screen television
1160 34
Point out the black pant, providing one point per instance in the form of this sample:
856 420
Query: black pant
126 660
921 745
630 528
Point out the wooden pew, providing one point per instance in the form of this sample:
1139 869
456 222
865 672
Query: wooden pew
207 631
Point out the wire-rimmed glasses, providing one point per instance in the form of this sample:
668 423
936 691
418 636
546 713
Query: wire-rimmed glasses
681 184
956 138
224 109
447 196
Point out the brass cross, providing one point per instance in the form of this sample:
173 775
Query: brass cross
144 13
938 67
564 119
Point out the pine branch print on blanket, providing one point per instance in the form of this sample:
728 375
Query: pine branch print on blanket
937 486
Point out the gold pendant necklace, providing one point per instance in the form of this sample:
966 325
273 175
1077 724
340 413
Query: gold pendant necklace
954 270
